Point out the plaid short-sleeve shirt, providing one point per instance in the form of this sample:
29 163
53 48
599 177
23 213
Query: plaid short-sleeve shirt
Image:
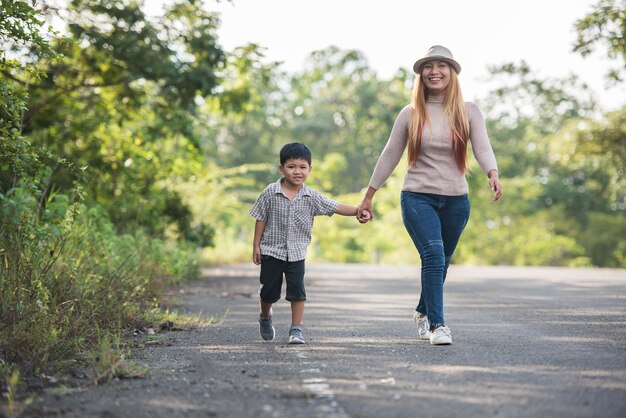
289 222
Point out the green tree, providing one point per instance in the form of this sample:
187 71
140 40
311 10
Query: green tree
603 143
604 26
587 179
523 111
340 106
535 223
22 40
336 106
65 271
123 102
234 134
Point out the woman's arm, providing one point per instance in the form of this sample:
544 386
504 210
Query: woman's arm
387 162
483 152
392 153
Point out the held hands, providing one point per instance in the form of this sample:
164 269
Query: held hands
364 217
364 211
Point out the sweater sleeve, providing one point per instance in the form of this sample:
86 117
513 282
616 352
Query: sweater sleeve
392 153
481 146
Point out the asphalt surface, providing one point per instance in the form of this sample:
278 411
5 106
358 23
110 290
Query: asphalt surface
527 342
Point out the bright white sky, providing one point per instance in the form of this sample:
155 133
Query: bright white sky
394 33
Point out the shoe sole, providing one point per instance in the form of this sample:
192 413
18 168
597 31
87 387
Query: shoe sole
446 342
296 341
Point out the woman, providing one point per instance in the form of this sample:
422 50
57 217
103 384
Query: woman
436 128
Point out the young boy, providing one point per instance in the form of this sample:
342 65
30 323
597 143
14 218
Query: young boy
284 215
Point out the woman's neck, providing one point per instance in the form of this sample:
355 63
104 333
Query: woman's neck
435 98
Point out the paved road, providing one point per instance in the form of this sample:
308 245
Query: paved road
528 342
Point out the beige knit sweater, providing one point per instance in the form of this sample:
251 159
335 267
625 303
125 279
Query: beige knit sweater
435 170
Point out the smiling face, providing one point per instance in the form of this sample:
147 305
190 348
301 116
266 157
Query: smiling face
295 171
436 77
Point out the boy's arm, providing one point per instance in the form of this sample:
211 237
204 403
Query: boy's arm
259 227
346 210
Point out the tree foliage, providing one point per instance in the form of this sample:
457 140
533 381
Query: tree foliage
604 27
124 98
95 140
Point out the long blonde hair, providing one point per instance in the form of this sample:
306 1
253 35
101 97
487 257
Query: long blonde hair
453 108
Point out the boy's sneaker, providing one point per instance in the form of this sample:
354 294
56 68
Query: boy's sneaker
267 329
295 335
423 326
441 336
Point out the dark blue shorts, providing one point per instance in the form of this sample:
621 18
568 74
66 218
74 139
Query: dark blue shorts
272 272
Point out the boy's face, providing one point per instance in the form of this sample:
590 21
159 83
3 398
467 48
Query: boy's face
295 171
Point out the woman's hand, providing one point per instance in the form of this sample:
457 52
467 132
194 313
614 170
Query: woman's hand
494 185
364 211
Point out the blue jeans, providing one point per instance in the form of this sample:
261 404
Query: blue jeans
435 224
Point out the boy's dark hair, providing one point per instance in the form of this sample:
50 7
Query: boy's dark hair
295 150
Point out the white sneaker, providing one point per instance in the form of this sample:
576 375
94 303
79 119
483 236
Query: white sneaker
423 326
295 335
441 336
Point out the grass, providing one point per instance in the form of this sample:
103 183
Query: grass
71 288
109 362
172 318
11 376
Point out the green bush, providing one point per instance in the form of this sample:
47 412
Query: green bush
66 273
604 239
